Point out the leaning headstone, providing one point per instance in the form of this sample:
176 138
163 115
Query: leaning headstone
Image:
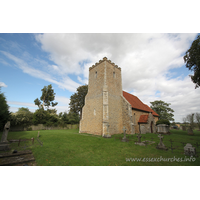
4 144
189 150
190 131
161 144
5 133
38 134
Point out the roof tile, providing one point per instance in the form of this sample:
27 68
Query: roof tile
136 103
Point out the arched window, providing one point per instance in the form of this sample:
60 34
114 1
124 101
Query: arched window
96 74
113 74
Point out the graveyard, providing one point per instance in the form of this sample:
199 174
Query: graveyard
71 148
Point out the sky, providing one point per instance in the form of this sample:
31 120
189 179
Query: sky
151 63
152 67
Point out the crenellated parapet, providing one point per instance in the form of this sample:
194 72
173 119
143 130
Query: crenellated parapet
104 59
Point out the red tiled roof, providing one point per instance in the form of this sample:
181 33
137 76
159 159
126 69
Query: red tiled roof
143 119
137 104
153 112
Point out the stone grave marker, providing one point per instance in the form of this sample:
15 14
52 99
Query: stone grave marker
189 150
190 131
124 139
4 144
161 144
5 133
163 128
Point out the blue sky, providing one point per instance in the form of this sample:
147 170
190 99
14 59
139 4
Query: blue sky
152 67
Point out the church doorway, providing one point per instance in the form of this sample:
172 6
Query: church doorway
151 127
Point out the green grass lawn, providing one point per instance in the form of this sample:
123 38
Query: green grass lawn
69 148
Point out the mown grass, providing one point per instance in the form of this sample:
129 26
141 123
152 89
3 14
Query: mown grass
69 148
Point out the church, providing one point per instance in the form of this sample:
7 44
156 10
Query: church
108 108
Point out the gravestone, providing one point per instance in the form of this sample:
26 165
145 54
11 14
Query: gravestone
4 144
161 144
189 150
5 133
124 139
38 134
190 131
163 128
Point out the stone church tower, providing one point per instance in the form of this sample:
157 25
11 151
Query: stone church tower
106 111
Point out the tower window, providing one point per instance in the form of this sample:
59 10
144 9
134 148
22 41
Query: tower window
95 74
113 74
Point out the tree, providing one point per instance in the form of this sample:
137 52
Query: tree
4 110
190 119
77 100
39 117
23 117
163 121
163 109
197 118
45 117
47 98
73 118
192 60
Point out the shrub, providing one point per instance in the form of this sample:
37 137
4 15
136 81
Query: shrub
163 121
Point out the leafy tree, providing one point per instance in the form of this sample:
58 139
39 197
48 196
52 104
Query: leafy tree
39 117
192 60
23 110
23 117
64 117
45 117
163 121
73 118
77 100
69 118
190 119
47 98
4 110
163 109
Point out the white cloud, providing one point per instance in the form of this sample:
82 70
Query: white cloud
22 104
3 62
145 60
62 100
63 105
65 82
3 84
